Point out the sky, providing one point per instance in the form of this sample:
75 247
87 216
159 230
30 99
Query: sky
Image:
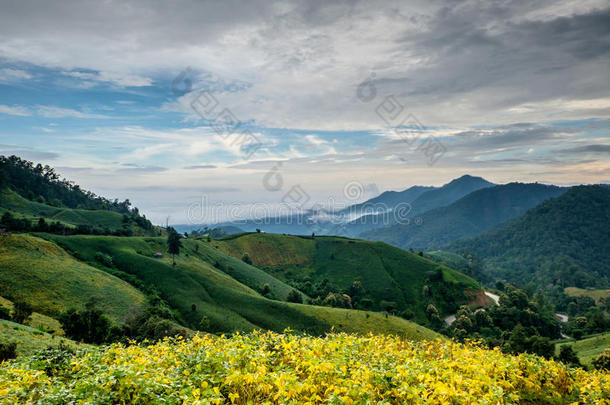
245 105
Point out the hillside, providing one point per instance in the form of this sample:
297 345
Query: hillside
563 241
389 277
42 274
471 215
34 198
206 282
589 348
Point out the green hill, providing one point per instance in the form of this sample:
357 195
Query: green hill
207 282
389 277
589 348
563 241
471 215
42 274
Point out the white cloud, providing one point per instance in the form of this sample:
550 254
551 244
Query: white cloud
59 112
9 75
15 110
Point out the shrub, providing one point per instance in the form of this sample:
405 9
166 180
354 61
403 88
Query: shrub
8 351
602 361
103 259
21 311
294 296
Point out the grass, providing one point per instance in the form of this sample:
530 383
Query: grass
206 282
44 275
387 273
38 320
589 348
596 295
30 340
24 208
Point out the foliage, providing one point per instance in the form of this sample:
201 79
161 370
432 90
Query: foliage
563 241
89 325
43 183
294 296
8 351
285 368
174 243
21 311
602 361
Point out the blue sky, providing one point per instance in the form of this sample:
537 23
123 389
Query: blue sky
386 95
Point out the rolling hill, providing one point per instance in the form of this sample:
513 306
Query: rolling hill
471 215
206 282
563 241
52 281
389 277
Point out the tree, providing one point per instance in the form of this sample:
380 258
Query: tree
173 243
21 311
89 325
294 296
568 356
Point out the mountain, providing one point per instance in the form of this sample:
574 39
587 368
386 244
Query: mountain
387 277
563 241
468 216
447 194
386 200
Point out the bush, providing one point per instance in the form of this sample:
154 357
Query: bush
602 361
5 313
246 259
21 311
294 296
103 259
567 355
8 351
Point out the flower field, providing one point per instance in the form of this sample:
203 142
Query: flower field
275 368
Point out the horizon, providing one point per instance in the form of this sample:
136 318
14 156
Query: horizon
239 103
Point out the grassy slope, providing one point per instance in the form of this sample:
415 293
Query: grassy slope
386 272
588 349
52 281
222 288
10 200
30 340
38 320
597 295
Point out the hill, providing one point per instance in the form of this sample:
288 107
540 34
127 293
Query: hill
471 215
207 283
44 275
386 277
31 193
589 348
563 241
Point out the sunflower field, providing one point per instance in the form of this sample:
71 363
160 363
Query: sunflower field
272 368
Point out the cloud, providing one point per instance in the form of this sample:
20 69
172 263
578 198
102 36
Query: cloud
126 80
194 167
59 112
588 149
15 110
8 75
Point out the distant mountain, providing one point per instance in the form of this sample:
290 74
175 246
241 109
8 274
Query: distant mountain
387 199
428 199
447 194
563 241
475 213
